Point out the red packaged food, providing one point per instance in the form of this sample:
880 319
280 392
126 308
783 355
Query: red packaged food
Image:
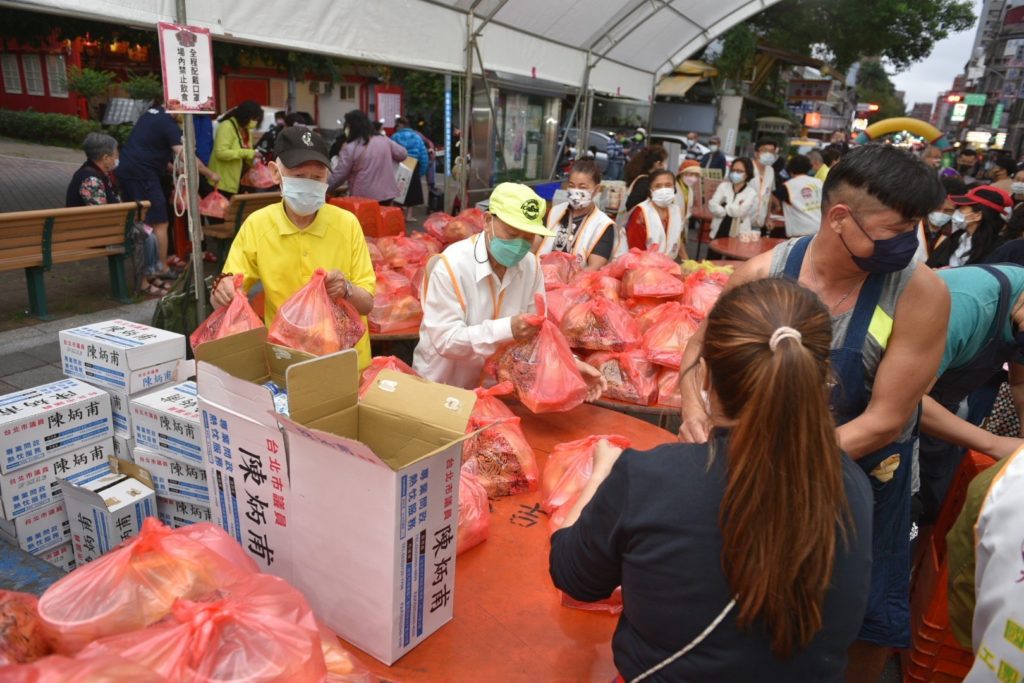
382 363
22 636
666 339
474 510
96 669
668 389
395 313
342 666
236 317
598 285
435 225
568 470
313 322
637 258
703 289
542 370
258 176
599 325
559 269
393 282
561 300
433 245
475 217
214 205
401 251
638 306
376 257
392 221
136 584
258 630
503 460
631 377
652 283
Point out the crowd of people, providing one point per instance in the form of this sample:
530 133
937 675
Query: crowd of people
827 398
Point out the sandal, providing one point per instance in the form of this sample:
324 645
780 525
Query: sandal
153 291
166 275
209 257
175 262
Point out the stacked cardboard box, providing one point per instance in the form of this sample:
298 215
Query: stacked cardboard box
57 430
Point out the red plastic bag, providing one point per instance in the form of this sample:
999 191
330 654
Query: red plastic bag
631 377
559 269
393 282
136 584
598 285
435 225
259 630
542 370
475 217
97 669
474 510
503 460
395 313
258 176
652 283
401 251
668 389
703 289
313 322
236 317
382 363
666 339
22 636
342 666
611 605
648 319
599 325
637 258
433 245
569 468
638 306
376 257
561 300
214 205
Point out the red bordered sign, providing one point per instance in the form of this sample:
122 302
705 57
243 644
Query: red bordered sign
186 59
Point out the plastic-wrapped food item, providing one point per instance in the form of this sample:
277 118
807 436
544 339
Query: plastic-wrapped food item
236 317
668 389
569 468
638 306
635 259
280 398
21 632
382 363
313 322
395 313
598 285
435 225
390 281
504 462
652 283
258 176
599 325
667 337
561 300
631 377
400 251
136 584
690 266
432 244
259 630
342 666
542 370
475 217
703 289
96 669
376 257
559 269
474 510
214 205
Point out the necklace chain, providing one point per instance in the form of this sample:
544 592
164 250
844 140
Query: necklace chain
814 278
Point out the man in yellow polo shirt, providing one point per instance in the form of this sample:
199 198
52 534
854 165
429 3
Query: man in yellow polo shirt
282 245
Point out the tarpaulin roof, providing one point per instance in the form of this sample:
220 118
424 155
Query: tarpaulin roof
631 43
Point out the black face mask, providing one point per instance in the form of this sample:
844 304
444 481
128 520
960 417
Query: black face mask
889 256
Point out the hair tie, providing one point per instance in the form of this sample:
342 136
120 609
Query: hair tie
783 333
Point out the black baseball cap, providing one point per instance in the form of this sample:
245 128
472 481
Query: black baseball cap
297 145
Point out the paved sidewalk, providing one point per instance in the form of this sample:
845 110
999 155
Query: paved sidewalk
35 176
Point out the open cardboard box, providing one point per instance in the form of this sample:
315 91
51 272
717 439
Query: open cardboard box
372 510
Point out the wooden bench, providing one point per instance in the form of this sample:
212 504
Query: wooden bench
35 240
240 208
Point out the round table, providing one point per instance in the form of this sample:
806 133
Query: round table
663 413
509 624
733 248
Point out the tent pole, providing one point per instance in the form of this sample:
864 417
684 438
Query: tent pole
195 227
490 104
561 144
650 112
467 111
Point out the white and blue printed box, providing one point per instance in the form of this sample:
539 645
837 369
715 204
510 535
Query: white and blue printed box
61 557
174 479
122 355
167 421
40 423
37 485
177 513
38 530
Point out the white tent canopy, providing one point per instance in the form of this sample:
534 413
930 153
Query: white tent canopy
631 43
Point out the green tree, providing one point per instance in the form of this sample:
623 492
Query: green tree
739 46
90 84
143 87
424 100
874 86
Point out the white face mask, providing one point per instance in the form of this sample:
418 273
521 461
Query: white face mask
713 148
690 179
580 199
938 219
304 196
767 158
1017 188
737 177
959 220
663 196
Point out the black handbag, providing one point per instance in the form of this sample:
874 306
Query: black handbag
435 202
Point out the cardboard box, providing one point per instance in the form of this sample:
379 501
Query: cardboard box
167 421
120 412
45 421
36 486
174 479
121 355
373 502
61 557
38 530
124 447
176 513
108 510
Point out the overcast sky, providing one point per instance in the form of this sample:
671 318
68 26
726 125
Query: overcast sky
925 80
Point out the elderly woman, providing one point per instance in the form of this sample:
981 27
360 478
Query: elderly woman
367 161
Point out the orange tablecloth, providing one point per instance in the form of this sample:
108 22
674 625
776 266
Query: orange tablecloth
732 247
509 624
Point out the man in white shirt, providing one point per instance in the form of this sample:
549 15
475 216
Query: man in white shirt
765 155
479 293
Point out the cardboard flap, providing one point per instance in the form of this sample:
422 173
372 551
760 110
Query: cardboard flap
221 388
420 400
339 443
323 386
279 358
241 355
132 470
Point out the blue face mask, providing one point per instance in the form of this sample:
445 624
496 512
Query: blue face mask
508 252
889 256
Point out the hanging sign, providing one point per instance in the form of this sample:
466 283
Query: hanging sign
186 61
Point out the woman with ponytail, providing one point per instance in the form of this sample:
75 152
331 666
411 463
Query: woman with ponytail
748 557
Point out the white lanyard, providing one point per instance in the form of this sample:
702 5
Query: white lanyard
689 646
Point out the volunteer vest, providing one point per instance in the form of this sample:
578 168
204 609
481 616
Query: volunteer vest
667 241
998 631
803 210
587 236
764 183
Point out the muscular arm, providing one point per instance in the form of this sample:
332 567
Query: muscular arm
908 366
938 422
